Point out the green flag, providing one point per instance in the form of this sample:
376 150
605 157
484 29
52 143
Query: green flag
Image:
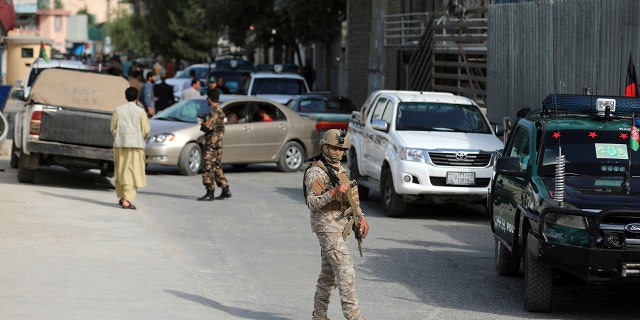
634 142
43 52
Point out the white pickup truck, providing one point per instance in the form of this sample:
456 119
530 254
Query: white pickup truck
421 147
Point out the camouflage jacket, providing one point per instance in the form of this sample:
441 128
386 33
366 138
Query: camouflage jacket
213 129
327 214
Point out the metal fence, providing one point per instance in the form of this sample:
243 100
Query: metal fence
562 46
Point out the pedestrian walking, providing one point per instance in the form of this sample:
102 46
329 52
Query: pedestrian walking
213 128
130 128
327 187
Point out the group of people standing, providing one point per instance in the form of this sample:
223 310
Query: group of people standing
130 128
326 186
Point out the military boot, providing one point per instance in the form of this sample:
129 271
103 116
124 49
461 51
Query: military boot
314 317
207 197
225 193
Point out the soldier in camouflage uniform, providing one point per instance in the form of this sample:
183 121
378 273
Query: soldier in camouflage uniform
326 188
213 129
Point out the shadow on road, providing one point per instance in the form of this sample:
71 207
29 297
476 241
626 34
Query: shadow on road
237 312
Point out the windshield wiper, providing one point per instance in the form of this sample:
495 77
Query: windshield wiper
416 127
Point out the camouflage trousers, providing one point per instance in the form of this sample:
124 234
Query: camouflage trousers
212 169
337 271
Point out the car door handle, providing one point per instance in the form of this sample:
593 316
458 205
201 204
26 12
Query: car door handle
282 126
246 128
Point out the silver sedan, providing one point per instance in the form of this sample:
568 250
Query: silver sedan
288 140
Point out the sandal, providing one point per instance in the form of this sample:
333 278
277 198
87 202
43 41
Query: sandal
120 202
129 206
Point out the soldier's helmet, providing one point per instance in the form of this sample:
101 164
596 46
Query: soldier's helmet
335 137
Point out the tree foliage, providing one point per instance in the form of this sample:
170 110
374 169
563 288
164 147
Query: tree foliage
190 28
125 37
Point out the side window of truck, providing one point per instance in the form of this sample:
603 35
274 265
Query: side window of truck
387 114
520 146
379 109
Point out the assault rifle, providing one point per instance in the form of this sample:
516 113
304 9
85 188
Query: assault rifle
354 215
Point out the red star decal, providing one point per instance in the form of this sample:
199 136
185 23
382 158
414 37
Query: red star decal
556 135
593 134
624 136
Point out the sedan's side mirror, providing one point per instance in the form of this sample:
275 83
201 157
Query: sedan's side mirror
509 166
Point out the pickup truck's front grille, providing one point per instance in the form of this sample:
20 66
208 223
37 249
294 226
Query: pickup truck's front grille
615 228
460 160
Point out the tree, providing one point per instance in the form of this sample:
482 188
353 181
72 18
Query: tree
294 21
184 29
125 38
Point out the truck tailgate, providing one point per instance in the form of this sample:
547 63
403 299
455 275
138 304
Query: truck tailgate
78 127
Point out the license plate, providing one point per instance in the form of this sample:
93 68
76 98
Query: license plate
461 178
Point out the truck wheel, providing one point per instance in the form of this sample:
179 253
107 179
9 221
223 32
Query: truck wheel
538 284
363 192
14 157
507 263
190 160
25 175
292 157
392 203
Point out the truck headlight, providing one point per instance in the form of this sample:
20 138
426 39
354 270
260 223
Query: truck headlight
412 154
162 137
566 229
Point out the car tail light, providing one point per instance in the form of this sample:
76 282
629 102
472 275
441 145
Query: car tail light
34 124
326 125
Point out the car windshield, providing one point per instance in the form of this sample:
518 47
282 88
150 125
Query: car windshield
185 111
285 86
201 72
325 105
602 153
428 116
232 78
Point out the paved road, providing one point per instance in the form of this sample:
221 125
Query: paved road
69 252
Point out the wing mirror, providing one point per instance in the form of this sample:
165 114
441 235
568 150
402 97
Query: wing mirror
380 125
510 166
18 95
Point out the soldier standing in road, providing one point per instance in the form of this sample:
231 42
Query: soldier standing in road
130 128
326 185
213 129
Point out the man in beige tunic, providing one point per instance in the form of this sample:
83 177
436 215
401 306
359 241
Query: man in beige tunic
130 127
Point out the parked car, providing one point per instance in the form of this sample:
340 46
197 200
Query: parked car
332 111
232 70
280 83
288 140
564 204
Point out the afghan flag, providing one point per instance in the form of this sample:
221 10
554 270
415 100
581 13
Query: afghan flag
634 142
631 88
43 52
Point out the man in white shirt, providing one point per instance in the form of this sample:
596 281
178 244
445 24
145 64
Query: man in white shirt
191 92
